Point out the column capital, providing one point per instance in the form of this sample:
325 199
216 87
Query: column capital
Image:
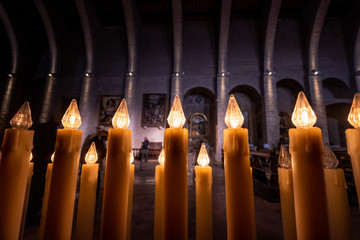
223 74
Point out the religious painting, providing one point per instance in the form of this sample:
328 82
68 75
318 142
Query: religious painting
198 123
153 111
108 107
284 126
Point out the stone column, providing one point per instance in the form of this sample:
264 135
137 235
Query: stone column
357 79
271 109
132 100
48 99
222 99
317 103
176 80
6 100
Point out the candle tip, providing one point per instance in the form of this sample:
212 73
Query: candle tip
52 157
284 157
330 160
176 118
233 117
71 118
203 158
303 115
31 157
121 118
91 156
354 115
162 157
131 157
22 118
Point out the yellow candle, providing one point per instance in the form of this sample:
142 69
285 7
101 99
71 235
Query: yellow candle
130 197
14 167
203 196
46 197
353 141
87 196
27 194
159 198
116 187
337 201
60 210
240 210
286 195
175 185
308 175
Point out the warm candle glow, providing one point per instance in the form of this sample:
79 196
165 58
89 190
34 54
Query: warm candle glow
30 157
52 157
91 156
121 118
176 118
354 115
22 118
284 157
330 160
71 118
162 157
131 157
303 116
203 158
233 117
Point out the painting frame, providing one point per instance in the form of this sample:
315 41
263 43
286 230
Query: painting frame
108 106
154 109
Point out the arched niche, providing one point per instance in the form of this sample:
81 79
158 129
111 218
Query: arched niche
287 91
250 104
199 106
336 89
337 123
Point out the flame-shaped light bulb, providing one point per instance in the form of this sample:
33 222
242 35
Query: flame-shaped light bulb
91 156
161 158
284 157
303 115
354 115
22 118
31 157
131 157
176 118
52 157
233 117
203 158
330 160
121 118
71 118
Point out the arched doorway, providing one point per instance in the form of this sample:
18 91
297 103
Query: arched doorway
250 104
200 111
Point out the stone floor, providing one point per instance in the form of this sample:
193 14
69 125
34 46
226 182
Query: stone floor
268 215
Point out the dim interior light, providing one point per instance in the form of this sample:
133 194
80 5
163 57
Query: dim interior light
176 118
22 118
233 117
303 115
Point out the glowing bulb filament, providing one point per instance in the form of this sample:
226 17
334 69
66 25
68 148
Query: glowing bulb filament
52 157
121 118
131 157
203 158
30 157
284 157
91 156
330 160
354 115
303 115
162 157
176 118
71 118
22 118
233 117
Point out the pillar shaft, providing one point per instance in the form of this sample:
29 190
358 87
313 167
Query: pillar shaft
271 111
6 100
222 101
48 99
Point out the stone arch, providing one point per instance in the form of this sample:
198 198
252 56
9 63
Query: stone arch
335 88
250 103
336 114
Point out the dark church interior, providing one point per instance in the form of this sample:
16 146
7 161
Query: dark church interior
100 52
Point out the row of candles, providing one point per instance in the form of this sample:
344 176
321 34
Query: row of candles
313 200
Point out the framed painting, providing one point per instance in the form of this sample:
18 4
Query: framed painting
153 110
108 107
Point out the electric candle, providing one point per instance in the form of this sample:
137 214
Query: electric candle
159 198
46 197
240 209
286 194
175 181
130 197
337 201
353 141
87 195
116 186
306 149
203 196
16 148
60 210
